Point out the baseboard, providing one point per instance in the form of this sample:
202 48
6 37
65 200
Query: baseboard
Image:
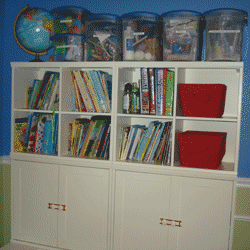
5 159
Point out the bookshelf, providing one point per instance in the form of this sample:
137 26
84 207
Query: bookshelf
228 73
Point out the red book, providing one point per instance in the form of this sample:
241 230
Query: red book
165 73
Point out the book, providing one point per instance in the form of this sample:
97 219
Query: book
164 97
32 132
135 139
125 141
150 133
99 123
136 156
159 91
53 103
48 90
35 90
151 88
40 93
99 90
38 147
48 141
144 92
170 93
91 89
155 143
104 80
151 142
84 91
20 133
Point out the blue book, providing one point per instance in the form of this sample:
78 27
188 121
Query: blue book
145 140
135 139
99 90
151 141
47 141
144 132
155 145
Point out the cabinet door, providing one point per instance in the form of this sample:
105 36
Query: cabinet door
85 192
140 201
34 185
204 207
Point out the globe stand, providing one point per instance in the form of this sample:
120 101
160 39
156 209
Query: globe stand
37 59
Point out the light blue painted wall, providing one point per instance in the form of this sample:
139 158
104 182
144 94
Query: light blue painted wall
12 52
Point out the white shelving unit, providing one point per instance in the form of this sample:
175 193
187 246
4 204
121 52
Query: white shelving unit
121 183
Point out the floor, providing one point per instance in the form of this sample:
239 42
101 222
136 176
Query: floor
14 246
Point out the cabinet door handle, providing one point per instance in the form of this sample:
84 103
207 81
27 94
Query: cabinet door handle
57 207
169 222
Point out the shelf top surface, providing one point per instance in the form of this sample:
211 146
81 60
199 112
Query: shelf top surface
131 64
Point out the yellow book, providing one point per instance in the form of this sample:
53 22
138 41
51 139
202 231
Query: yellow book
84 92
76 93
91 89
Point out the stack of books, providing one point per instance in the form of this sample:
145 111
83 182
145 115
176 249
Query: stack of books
37 133
157 91
90 138
92 90
43 94
150 144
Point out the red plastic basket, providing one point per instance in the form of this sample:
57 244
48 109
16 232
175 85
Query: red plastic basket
202 100
202 149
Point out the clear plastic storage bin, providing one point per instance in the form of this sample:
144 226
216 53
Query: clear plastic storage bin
224 34
69 47
70 20
104 37
182 35
141 36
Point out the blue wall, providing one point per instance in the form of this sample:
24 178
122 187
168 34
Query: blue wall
12 52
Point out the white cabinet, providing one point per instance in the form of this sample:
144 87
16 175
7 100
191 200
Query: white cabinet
34 185
204 207
168 212
108 203
140 201
60 206
84 225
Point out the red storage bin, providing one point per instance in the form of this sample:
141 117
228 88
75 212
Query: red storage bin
202 100
202 149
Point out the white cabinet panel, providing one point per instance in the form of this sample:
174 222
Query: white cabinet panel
204 207
140 201
85 192
34 185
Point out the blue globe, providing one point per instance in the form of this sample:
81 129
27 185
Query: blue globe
33 28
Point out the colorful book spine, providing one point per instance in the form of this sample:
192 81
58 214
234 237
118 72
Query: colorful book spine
170 93
144 92
164 99
159 91
20 133
151 87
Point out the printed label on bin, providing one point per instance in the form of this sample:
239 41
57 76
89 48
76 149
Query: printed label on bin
66 21
224 31
129 44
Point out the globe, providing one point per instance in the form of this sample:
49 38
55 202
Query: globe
33 28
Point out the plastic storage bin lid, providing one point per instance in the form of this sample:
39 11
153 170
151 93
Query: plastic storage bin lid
64 11
144 15
106 17
61 37
180 13
238 13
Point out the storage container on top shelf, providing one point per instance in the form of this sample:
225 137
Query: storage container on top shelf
141 33
69 47
70 20
182 35
224 34
104 37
